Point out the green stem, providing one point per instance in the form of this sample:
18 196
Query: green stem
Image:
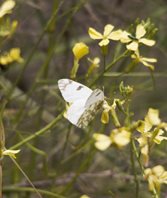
50 21
134 168
27 178
74 68
2 142
109 66
20 114
137 156
10 189
104 62
115 118
80 169
49 126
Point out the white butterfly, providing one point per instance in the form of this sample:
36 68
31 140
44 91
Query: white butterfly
84 103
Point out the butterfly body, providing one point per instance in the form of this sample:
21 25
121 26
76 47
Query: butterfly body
84 103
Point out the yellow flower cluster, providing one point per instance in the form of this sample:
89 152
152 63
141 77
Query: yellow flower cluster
132 41
119 137
7 28
155 177
151 131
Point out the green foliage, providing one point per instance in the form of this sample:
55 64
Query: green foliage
121 153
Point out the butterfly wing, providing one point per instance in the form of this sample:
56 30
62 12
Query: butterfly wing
73 91
92 106
75 111
85 102
96 96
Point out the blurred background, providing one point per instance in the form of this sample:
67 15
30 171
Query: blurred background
59 160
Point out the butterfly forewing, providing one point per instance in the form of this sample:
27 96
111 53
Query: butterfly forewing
73 91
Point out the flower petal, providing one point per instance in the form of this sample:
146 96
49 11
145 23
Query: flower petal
148 65
158 138
120 137
153 116
147 42
84 196
115 35
104 42
132 46
102 141
105 117
80 50
107 30
6 7
158 170
151 60
94 34
125 37
140 31
10 152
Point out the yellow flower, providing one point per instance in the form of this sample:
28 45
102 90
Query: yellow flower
144 148
94 63
6 7
106 36
120 137
133 41
84 196
102 142
153 117
8 28
110 109
157 136
146 61
151 132
10 153
80 50
155 176
12 56
105 113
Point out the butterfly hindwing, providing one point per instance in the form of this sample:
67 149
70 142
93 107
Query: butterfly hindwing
97 95
92 106
75 111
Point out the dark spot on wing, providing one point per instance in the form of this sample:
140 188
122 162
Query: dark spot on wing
79 88
70 81
64 83
98 93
